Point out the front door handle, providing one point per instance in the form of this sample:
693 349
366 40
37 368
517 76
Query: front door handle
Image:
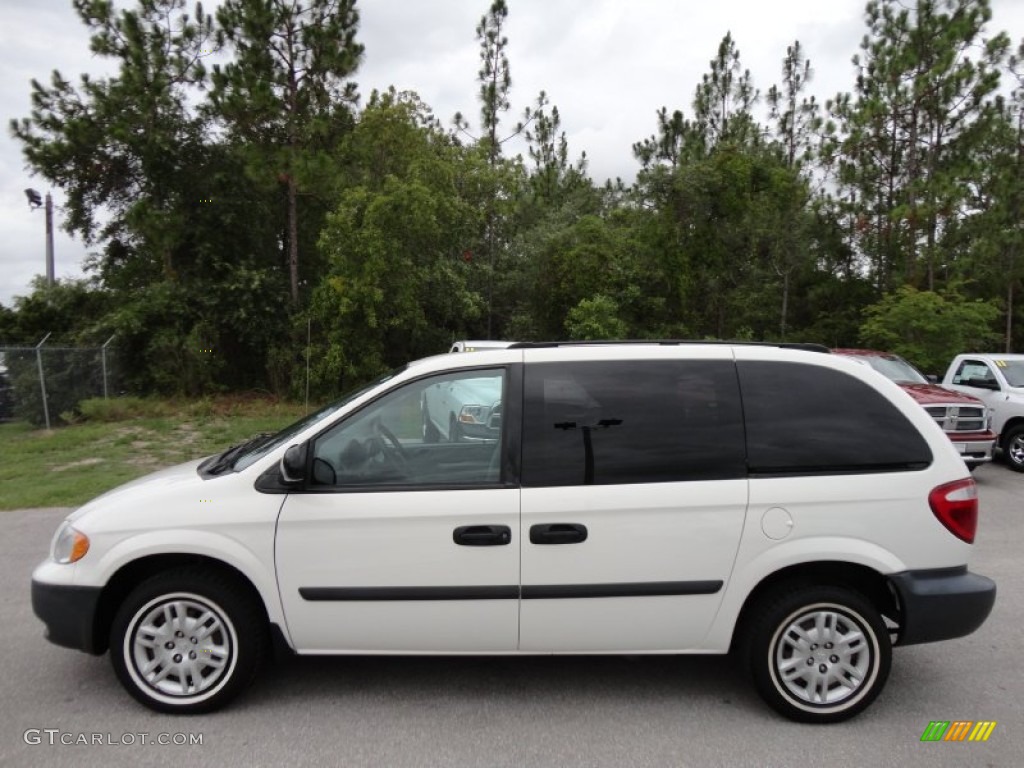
558 533
482 535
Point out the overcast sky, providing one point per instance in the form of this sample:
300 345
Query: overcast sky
607 64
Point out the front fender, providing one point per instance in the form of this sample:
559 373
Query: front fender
211 544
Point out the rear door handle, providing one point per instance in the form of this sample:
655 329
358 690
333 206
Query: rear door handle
558 533
482 535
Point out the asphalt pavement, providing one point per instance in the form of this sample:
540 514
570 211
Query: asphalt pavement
534 711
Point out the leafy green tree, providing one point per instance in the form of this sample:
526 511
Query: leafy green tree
595 318
929 328
67 314
724 101
926 75
396 249
286 97
495 79
988 243
553 176
121 145
795 116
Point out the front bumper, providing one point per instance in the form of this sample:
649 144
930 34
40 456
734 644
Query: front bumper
69 613
942 603
975 450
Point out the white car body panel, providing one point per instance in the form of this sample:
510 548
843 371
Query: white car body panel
708 530
659 532
399 539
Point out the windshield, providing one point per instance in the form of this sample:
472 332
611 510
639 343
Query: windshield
895 368
261 449
1013 370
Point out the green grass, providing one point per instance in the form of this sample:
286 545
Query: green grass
118 442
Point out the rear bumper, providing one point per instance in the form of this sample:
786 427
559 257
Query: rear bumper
942 603
69 614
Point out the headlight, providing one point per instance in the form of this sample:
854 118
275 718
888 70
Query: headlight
69 544
472 414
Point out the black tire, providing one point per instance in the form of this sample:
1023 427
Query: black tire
847 677
217 618
1013 448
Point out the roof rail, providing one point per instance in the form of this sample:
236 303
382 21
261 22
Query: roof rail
806 346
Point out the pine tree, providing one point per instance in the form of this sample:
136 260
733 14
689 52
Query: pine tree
922 103
287 94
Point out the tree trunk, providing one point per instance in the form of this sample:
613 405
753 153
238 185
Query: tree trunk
293 238
1009 316
785 304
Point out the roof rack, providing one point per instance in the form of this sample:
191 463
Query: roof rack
806 346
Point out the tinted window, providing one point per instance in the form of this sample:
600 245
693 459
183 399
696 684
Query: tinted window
804 418
631 422
442 431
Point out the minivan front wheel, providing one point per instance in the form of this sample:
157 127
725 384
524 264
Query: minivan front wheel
819 654
187 640
1013 448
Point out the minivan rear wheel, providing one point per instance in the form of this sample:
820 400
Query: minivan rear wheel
188 640
818 654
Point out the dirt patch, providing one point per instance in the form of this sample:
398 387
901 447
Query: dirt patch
145 461
186 434
76 464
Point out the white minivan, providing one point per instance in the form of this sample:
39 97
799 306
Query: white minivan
784 504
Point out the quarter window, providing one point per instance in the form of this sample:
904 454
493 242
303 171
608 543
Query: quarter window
600 423
805 419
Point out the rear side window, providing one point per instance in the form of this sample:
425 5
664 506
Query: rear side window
601 423
805 419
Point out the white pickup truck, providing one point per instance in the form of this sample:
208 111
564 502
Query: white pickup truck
998 380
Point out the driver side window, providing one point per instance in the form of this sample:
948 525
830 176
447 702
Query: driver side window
972 370
441 431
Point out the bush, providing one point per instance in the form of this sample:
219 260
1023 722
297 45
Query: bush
70 375
120 408
929 329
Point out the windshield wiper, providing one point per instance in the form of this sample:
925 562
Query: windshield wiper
226 460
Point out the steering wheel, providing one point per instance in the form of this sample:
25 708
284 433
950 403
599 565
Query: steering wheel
397 453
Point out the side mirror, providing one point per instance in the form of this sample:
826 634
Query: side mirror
932 378
979 383
293 464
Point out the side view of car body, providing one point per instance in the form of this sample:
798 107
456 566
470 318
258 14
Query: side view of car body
633 498
965 419
998 380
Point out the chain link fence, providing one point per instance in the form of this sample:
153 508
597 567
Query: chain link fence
43 384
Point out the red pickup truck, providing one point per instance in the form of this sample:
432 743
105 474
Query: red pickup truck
965 419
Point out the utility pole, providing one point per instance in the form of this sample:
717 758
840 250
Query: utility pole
49 239
34 201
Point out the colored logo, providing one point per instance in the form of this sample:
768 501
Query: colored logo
958 730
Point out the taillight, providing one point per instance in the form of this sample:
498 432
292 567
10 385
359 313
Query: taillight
956 506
